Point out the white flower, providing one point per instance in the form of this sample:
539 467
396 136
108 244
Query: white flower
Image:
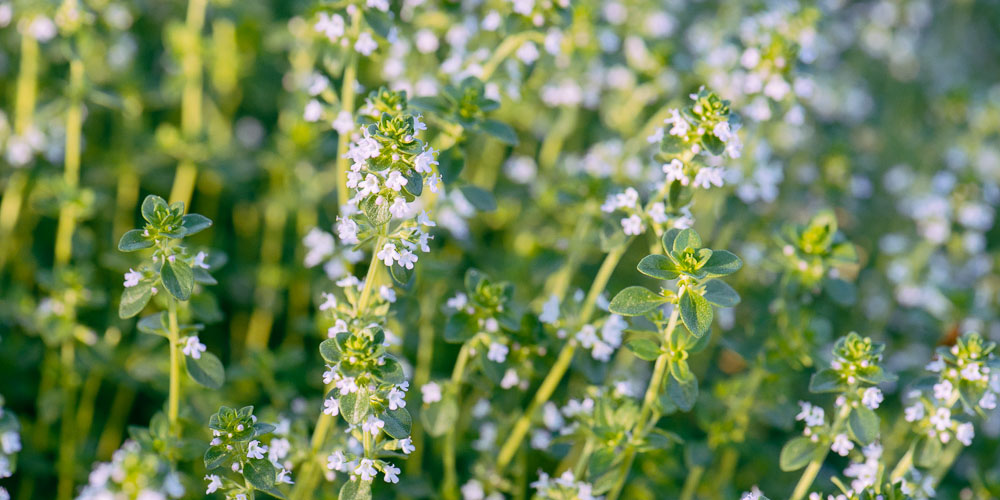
935 366
971 372
339 327
550 310
336 461
941 419
675 172
872 397
457 302
964 433
313 111
368 186
331 407
914 413
658 212
708 177
395 181
407 259
812 415
10 442
406 445
632 225
344 122
431 392
510 379
132 278
199 259
497 353
319 243
365 44
192 347
347 385
214 483
943 390
256 450
988 401
473 490
423 162
391 473
387 293
396 399
432 182
388 254
365 469
329 301
284 476
330 26
399 208
842 445
424 220
721 130
753 494
680 126
347 230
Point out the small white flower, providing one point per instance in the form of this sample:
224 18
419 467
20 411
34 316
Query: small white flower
365 469
941 419
424 220
313 111
406 446
872 397
497 353
396 399
347 230
365 44
192 347
336 461
347 385
632 225
988 401
199 259
214 483
387 293
943 390
329 301
340 326
971 373
399 208
935 366
423 162
388 254
550 311
395 181
722 131
842 445
431 392
914 413
675 172
132 278
473 490
679 126
391 473
708 177
407 259
457 302
964 433
330 26
331 407
10 442
344 122
510 379
256 450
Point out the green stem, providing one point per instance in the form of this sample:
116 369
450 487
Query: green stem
347 104
449 487
809 475
691 483
173 399
903 465
191 100
505 49
67 436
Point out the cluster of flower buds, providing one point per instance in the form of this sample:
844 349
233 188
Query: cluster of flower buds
172 266
237 446
817 253
135 471
360 30
853 374
967 373
369 391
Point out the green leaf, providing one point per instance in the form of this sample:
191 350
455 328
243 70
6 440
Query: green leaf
863 425
391 372
207 370
798 452
683 391
154 324
261 428
329 351
713 144
134 240
720 294
657 266
400 274
459 328
260 473
928 452
480 198
177 278
696 313
826 381
193 223
635 301
685 239
134 300
150 205
215 456
668 239
397 423
500 130
355 406
672 144
450 164
722 263
378 21
355 489
377 214
441 416
644 348
435 104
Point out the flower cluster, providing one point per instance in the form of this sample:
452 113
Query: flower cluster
817 255
135 471
564 487
368 391
10 444
348 33
236 446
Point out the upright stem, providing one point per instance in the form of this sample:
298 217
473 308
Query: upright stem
173 400
555 375
809 475
191 100
691 483
646 418
67 438
347 104
449 487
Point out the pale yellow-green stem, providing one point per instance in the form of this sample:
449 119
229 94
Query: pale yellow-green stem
449 487
347 98
24 109
691 482
173 399
505 49
67 438
809 475
262 318
191 100
422 372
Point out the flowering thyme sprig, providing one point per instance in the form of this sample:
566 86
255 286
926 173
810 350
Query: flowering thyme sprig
853 374
10 444
174 268
236 446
